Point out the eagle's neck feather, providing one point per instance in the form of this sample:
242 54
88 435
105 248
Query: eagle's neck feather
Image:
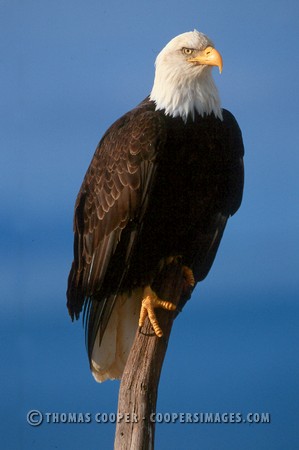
180 95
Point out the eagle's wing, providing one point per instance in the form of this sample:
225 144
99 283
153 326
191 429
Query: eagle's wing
231 189
109 211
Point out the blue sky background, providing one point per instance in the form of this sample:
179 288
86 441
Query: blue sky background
68 69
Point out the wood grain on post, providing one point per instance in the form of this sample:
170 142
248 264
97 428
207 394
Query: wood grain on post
139 385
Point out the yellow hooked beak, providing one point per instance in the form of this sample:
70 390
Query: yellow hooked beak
209 57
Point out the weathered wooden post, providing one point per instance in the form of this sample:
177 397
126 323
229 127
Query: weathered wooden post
139 385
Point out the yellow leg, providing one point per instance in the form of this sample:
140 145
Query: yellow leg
149 303
188 275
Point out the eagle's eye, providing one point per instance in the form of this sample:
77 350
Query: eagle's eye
187 51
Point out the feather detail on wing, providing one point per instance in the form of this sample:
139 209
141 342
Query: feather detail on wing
108 215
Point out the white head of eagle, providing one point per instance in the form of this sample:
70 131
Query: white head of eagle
164 180
183 81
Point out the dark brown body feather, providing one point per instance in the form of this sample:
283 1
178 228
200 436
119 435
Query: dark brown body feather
156 187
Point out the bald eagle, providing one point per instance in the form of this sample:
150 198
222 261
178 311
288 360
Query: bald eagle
161 186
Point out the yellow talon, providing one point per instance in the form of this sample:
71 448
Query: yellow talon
189 276
149 303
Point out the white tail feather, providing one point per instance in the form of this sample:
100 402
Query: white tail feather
108 360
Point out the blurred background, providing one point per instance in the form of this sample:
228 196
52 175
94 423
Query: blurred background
68 69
